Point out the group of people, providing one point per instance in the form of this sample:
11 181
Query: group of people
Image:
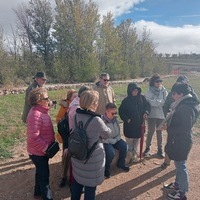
175 112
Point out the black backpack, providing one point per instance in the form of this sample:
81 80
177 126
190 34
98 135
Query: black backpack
64 130
78 142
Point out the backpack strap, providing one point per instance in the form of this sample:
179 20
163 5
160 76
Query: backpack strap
87 123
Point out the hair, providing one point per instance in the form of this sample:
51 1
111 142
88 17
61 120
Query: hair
103 75
89 98
153 79
110 106
36 95
82 89
181 88
70 93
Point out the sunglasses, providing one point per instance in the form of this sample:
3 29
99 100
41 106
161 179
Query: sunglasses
159 81
106 80
114 113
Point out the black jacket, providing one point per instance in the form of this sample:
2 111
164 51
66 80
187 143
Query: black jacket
179 140
133 107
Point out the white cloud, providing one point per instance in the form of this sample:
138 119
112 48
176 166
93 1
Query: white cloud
185 39
117 7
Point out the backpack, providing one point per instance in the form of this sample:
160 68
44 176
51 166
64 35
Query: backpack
78 141
64 130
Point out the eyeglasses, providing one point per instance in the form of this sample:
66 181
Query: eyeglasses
46 99
114 113
106 80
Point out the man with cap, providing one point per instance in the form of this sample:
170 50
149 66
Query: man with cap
38 81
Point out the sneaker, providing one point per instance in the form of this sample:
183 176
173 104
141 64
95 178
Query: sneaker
164 165
177 196
124 168
63 182
161 154
171 186
146 152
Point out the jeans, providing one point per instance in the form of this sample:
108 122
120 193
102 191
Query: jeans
42 187
76 191
152 124
182 175
122 147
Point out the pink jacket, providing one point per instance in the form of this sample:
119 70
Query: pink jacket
72 111
40 133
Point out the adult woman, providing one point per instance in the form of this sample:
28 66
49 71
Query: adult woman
133 110
183 114
40 135
64 106
156 96
90 174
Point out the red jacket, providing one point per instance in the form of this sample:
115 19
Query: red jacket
40 133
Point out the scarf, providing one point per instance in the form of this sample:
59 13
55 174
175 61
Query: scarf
156 91
172 109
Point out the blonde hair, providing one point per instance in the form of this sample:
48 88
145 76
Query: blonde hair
88 99
36 95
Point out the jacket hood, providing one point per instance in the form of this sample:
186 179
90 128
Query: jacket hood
131 87
194 103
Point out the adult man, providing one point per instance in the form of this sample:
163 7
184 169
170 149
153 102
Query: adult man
106 93
39 81
114 141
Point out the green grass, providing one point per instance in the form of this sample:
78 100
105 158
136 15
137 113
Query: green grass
12 129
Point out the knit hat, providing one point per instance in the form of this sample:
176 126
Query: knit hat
182 79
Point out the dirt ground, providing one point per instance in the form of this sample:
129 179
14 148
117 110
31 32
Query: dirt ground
144 181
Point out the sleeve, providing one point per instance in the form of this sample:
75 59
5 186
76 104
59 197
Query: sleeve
105 132
155 102
122 112
147 106
34 124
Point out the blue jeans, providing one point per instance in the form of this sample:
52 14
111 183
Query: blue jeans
76 190
122 147
42 187
182 175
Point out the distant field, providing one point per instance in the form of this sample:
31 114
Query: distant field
12 130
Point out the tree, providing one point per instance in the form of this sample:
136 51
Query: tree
41 19
109 47
128 38
76 30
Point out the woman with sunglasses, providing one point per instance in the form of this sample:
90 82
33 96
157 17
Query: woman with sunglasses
156 96
40 135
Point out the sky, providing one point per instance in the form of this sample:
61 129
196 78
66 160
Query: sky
174 25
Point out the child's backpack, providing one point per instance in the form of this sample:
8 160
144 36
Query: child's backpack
78 141
64 130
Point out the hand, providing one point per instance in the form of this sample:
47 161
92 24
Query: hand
145 116
128 121
65 152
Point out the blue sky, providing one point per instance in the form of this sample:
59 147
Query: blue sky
174 24
166 12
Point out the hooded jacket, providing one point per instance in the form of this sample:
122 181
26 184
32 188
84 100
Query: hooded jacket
179 140
133 108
